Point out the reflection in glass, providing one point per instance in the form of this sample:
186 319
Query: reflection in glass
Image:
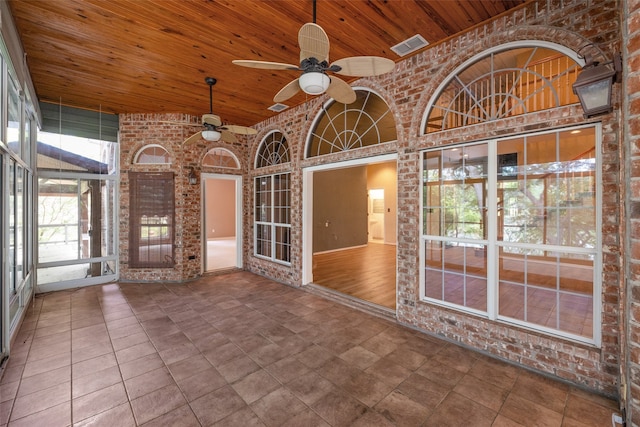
221 158
274 150
456 273
504 84
544 222
152 154
273 216
341 127
532 287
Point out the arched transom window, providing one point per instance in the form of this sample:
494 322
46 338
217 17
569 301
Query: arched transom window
221 158
505 83
152 154
340 127
274 150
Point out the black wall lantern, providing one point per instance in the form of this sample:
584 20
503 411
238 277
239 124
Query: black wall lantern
595 84
193 178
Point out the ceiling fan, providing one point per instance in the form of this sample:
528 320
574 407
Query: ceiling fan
214 130
314 64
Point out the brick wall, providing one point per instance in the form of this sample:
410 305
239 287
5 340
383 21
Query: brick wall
631 130
407 90
138 130
590 26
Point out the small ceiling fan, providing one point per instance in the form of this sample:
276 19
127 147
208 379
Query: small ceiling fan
214 130
314 64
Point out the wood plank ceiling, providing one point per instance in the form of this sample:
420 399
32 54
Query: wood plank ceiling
152 56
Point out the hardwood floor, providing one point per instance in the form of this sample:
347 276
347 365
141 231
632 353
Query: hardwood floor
367 273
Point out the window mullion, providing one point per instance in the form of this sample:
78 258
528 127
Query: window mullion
273 217
492 231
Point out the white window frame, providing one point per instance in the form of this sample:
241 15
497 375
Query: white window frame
492 244
146 147
257 223
480 56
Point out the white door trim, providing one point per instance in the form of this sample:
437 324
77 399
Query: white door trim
203 234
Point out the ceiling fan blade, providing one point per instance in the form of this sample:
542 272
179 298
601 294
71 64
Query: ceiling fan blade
266 65
195 137
211 119
340 91
313 42
227 136
287 92
362 66
240 130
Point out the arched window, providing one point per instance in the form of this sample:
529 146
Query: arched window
272 202
340 127
274 150
507 82
152 154
221 158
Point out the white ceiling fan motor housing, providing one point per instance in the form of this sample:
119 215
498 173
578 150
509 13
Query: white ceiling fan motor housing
314 83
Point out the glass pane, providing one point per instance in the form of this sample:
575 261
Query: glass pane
263 199
14 106
14 307
341 127
274 150
73 272
455 205
13 202
74 220
263 240
30 130
109 211
432 165
283 244
19 225
74 154
281 199
456 273
453 288
153 154
504 84
58 220
434 284
576 314
532 287
220 157
63 273
155 243
551 197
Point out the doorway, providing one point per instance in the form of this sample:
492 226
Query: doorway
349 238
222 224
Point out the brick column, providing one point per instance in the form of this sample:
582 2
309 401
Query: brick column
630 357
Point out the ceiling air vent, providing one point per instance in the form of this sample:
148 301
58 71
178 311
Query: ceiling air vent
410 45
278 107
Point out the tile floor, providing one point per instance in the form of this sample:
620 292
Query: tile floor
241 350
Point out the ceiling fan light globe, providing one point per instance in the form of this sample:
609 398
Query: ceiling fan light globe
314 83
211 135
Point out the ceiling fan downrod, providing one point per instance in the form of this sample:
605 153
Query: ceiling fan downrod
314 11
210 81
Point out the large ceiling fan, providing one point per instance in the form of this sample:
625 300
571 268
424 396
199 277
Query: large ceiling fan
314 64
214 130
